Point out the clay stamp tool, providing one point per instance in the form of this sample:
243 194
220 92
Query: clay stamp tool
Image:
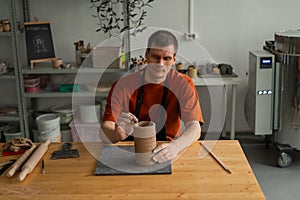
65 152
217 159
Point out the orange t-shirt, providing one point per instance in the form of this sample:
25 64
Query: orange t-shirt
182 101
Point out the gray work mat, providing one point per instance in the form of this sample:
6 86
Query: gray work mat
120 160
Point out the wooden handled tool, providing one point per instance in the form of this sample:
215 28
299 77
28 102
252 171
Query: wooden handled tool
20 161
217 159
33 160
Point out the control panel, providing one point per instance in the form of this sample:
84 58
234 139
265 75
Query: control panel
266 62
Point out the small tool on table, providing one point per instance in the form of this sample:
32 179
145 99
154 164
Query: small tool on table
65 152
5 166
217 159
43 166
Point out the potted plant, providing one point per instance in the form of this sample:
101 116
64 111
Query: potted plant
117 16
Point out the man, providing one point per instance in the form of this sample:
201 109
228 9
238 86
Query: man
157 93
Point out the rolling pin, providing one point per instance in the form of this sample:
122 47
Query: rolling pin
33 160
20 161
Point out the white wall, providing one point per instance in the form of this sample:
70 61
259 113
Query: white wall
227 29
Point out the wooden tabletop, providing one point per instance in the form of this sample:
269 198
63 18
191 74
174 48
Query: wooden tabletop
192 177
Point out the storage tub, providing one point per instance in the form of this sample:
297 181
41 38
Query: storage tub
89 113
12 132
32 83
48 127
65 112
85 132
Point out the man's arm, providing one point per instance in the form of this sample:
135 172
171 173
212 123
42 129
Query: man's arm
191 134
112 132
169 151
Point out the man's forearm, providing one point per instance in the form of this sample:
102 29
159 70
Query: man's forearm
111 133
191 134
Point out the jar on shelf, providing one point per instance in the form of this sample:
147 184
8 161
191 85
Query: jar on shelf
6 25
3 67
1 27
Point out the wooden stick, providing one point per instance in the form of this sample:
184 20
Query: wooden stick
20 161
39 61
217 159
33 160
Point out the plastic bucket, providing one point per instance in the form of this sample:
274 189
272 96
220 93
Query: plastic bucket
32 84
48 127
12 132
65 112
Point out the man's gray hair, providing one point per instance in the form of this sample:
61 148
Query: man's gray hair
163 38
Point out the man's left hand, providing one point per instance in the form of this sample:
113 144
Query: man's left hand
165 152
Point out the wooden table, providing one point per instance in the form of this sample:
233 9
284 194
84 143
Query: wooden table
192 178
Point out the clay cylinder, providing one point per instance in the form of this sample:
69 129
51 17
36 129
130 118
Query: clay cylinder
144 142
192 72
179 66
6 25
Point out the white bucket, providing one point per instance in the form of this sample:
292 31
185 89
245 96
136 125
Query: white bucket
12 132
65 112
48 127
89 113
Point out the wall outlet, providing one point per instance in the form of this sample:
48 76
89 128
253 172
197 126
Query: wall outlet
190 36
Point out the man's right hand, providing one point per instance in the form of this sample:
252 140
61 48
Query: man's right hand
126 122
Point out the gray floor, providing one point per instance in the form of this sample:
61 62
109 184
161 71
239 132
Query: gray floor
276 183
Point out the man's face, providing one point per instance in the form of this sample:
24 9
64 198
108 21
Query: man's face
160 61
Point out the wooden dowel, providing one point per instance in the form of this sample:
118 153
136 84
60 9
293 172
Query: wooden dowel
16 166
217 159
33 160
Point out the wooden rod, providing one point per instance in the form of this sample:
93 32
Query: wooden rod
33 160
217 159
16 166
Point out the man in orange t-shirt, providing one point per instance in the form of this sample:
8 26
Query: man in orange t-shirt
157 93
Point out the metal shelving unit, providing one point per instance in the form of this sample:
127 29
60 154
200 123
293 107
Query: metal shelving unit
45 68
45 94
27 101
8 77
9 118
13 37
54 95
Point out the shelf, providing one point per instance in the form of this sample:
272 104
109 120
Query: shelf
46 68
206 80
5 34
7 77
46 94
9 118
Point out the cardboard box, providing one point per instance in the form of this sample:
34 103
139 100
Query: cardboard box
107 57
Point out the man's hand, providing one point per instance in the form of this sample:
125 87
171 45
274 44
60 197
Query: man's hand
126 122
169 151
165 152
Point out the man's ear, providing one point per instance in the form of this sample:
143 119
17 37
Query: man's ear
174 58
147 52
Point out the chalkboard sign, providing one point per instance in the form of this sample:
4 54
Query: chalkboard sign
39 42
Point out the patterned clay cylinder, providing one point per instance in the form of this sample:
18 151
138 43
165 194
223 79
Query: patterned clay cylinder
144 142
